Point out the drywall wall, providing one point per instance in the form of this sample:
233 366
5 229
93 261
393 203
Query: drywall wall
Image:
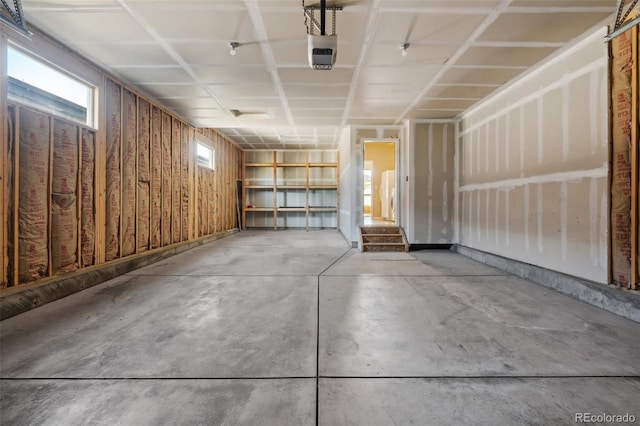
533 166
81 196
432 189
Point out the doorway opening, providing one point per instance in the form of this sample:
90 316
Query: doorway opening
379 183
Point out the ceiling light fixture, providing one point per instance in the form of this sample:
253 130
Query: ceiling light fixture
234 45
403 48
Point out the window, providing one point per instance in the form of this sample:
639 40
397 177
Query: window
205 155
34 83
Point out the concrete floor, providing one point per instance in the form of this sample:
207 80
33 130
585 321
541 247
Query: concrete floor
294 327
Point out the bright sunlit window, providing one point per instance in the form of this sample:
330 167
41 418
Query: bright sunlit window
205 155
35 83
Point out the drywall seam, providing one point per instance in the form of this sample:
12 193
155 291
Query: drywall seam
526 217
533 72
497 217
573 175
497 121
477 32
478 147
540 129
507 220
563 219
470 208
471 141
445 202
539 218
593 110
592 66
486 151
565 119
507 142
445 145
487 204
478 215
522 137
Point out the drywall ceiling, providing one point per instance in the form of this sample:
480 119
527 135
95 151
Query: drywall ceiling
178 52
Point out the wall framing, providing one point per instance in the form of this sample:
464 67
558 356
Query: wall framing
132 140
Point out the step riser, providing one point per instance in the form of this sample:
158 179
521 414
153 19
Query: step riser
380 230
384 248
394 239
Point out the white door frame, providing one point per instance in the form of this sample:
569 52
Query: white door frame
397 194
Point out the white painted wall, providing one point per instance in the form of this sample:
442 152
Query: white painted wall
533 165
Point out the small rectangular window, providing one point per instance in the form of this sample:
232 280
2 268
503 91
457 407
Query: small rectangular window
35 83
205 155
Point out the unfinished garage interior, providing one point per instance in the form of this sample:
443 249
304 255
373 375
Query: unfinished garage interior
341 212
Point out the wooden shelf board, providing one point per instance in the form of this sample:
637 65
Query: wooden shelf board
291 187
291 165
323 164
258 209
258 165
292 209
323 209
270 187
323 186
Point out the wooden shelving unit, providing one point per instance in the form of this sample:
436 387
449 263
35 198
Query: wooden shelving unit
290 189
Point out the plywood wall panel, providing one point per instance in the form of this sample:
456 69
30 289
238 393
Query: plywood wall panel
88 227
113 170
129 172
64 198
